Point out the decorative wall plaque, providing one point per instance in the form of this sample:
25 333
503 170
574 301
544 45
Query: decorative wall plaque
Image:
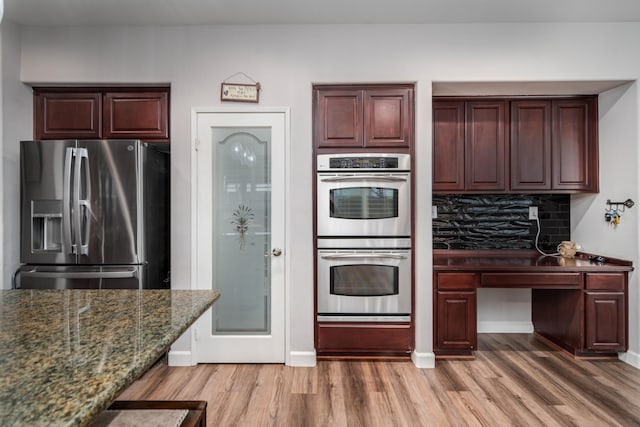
240 92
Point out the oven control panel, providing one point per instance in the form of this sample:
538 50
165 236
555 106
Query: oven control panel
345 162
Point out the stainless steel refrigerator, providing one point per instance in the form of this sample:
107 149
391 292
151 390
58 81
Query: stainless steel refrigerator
94 214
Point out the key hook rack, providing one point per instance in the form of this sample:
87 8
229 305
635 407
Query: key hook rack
616 205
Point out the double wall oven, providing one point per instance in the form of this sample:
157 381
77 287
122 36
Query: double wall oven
364 237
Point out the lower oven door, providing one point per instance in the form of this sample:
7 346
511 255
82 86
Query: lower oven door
356 283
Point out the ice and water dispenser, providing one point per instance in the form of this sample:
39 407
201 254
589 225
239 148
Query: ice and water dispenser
46 225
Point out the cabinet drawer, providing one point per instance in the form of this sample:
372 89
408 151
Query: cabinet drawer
371 339
606 281
456 280
532 280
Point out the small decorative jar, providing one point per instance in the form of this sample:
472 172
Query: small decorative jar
567 249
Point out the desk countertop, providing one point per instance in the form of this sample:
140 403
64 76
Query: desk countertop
523 261
65 355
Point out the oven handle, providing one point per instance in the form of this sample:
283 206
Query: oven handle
361 256
364 178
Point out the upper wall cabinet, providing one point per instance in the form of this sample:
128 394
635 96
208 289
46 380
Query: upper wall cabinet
515 145
354 117
61 115
530 145
96 113
484 146
448 145
469 146
575 144
140 115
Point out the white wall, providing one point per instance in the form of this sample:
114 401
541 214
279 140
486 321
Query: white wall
17 124
286 60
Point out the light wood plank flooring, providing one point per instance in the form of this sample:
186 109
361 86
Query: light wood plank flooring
514 380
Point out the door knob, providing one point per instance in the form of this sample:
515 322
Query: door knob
276 252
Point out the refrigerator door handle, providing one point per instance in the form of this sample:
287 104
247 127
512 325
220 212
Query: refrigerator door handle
66 199
85 203
125 274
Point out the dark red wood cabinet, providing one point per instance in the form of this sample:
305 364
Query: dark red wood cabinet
469 146
530 145
363 118
61 115
516 145
606 312
102 113
455 312
583 312
448 145
354 117
456 320
339 118
364 339
575 144
485 146
140 115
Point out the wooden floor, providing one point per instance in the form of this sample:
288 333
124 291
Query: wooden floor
514 380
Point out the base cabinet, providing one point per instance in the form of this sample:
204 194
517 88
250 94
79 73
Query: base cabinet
584 313
606 314
456 320
605 326
455 329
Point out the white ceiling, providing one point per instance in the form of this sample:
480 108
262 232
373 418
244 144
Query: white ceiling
194 12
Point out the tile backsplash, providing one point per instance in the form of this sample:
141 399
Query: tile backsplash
500 221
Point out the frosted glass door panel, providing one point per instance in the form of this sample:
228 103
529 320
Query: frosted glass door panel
241 230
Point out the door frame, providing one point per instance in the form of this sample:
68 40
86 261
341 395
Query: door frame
287 208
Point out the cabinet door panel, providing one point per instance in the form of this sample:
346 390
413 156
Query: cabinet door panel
485 145
60 115
456 320
530 145
140 115
605 321
339 118
387 118
448 145
575 152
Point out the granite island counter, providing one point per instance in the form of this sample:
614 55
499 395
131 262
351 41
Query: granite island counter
578 304
65 355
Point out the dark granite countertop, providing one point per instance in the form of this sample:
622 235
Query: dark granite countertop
65 355
523 261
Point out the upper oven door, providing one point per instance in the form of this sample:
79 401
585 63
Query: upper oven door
364 204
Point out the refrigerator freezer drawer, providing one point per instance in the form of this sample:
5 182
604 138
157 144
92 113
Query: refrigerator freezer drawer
61 277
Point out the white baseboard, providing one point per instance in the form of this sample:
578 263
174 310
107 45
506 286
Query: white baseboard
631 358
302 358
181 358
491 327
423 360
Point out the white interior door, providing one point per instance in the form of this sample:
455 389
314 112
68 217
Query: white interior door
240 235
